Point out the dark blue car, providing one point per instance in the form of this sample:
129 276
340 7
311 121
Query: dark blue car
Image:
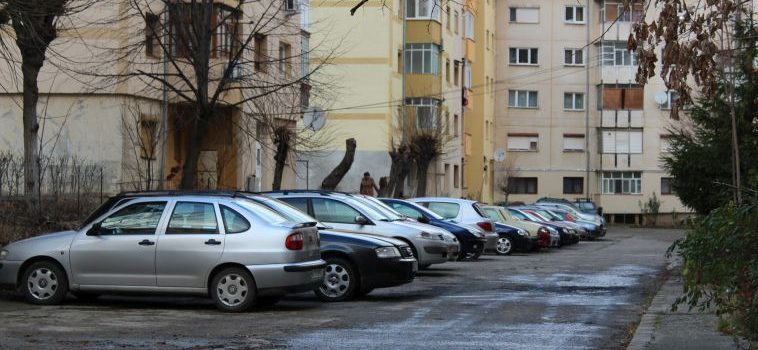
472 243
511 238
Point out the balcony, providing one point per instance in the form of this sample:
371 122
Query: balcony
618 74
622 119
423 85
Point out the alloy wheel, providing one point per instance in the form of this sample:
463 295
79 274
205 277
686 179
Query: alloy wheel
336 281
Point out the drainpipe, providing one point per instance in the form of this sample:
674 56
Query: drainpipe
164 106
586 103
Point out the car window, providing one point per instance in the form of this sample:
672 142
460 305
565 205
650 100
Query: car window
446 210
136 219
234 222
329 210
407 211
478 210
518 214
387 212
191 218
285 209
262 212
493 214
299 203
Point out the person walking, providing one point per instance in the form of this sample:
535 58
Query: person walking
368 185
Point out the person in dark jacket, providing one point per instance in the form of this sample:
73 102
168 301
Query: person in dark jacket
368 185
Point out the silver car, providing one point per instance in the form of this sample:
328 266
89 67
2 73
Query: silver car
348 213
234 250
462 211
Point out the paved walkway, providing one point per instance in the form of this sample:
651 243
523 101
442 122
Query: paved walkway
660 328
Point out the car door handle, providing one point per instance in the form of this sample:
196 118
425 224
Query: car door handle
212 242
146 242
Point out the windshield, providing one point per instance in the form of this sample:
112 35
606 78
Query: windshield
547 214
262 212
376 204
367 210
493 214
284 209
424 210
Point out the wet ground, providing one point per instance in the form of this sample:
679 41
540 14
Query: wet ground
587 296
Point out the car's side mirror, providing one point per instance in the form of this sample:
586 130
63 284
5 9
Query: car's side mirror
422 220
361 220
94 230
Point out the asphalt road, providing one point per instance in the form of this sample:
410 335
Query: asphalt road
587 296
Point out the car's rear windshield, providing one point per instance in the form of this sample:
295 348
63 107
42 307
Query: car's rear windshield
283 209
444 209
262 212
493 214
479 210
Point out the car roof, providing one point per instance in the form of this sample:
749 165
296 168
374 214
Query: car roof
442 199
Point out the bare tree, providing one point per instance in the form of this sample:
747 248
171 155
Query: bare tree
508 172
141 131
334 178
213 59
696 41
429 135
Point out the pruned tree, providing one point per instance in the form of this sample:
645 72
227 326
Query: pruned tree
334 178
696 41
508 171
400 167
427 140
213 59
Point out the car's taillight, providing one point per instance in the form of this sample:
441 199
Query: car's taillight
485 225
294 241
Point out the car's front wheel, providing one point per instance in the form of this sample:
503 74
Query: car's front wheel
45 283
504 246
233 290
340 281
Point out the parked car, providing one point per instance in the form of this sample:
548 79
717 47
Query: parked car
356 263
462 211
570 231
590 231
553 230
471 239
588 206
498 215
595 219
347 213
453 246
229 248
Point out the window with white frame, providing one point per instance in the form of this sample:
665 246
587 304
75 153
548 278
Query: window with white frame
290 5
522 99
624 141
422 58
524 14
305 66
422 9
468 25
573 101
523 142
426 111
622 182
305 14
467 75
573 57
574 14
518 55
573 142
617 54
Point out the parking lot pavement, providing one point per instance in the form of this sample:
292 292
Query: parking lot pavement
586 296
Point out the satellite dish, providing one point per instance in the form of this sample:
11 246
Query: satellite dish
499 155
661 97
314 118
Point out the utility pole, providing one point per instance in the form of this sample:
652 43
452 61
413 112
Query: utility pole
586 104
402 64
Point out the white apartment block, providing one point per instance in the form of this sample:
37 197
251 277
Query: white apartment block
566 92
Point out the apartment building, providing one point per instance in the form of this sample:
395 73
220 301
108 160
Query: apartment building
395 77
128 126
570 118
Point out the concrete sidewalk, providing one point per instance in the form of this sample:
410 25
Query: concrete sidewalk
660 328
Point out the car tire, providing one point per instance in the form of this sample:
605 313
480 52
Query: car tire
340 281
233 290
504 246
44 283
86 296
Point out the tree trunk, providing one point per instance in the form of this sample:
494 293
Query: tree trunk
189 169
335 177
31 64
422 168
282 141
403 171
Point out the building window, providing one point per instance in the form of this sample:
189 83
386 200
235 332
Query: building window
422 58
573 142
573 185
522 99
153 32
305 64
616 53
447 71
456 176
456 72
523 142
422 9
524 15
573 57
622 98
305 14
148 136
623 141
457 21
616 12
522 185
671 97
426 109
456 125
261 53
447 15
227 32
574 14
290 5
285 54
622 182
523 55
666 185
468 25
467 75
666 143
573 101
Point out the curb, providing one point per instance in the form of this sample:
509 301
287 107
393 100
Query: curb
643 335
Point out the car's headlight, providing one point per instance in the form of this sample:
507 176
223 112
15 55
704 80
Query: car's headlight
3 253
523 232
387 252
427 235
